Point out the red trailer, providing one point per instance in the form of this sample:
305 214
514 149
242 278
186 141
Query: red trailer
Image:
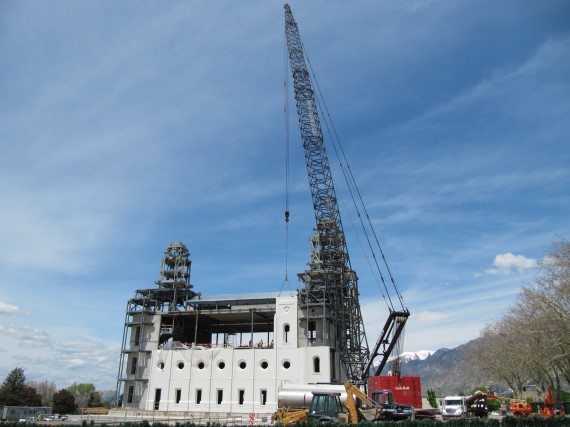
406 390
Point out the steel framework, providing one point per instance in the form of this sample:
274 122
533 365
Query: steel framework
330 283
172 295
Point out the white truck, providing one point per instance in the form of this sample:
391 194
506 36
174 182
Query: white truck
453 407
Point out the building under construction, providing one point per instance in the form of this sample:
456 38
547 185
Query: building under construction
183 351
230 354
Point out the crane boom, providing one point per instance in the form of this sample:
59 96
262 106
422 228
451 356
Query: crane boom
387 340
330 282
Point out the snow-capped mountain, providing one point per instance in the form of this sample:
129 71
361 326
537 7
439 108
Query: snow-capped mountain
415 355
409 356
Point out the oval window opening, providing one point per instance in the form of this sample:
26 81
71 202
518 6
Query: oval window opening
264 364
286 364
242 365
286 330
180 365
200 365
221 365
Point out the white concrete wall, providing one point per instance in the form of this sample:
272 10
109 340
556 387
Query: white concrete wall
286 315
250 370
148 340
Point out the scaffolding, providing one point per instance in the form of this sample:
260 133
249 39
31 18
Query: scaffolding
173 294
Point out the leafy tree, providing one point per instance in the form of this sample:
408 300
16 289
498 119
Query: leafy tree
64 402
81 392
30 397
46 389
432 398
492 404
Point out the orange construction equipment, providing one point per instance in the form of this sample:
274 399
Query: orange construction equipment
549 410
546 409
520 408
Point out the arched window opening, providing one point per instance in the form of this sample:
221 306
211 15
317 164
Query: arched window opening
312 331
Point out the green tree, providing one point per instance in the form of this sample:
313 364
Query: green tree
492 404
81 392
15 381
64 402
15 391
30 397
432 398
46 389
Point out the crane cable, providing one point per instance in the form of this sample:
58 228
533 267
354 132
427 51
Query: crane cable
286 131
351 182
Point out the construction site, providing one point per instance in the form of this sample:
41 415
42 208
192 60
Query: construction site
228 354
282 356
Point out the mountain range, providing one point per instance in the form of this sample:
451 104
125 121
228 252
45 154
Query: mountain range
446 371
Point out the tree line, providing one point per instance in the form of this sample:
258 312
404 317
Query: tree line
530 344
17 391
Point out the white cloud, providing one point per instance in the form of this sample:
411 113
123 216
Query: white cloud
9 308
81 360
76 363
429 316
27 336
508 263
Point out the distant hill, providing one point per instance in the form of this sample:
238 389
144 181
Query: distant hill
446 371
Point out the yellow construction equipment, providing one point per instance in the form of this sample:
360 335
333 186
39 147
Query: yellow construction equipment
372 412
285 416
326 407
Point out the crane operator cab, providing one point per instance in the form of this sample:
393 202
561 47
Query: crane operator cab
327 407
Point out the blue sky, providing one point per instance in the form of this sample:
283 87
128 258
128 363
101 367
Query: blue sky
128 125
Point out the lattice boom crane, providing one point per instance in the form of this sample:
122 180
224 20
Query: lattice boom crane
330 279
330 282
